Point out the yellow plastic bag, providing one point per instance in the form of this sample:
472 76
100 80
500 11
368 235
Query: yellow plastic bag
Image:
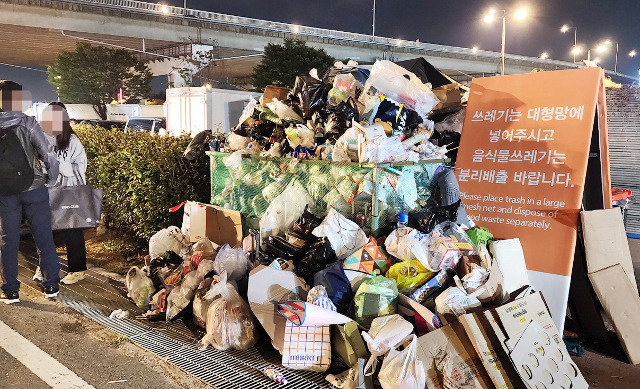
409 275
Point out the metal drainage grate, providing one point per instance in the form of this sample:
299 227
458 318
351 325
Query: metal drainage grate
98 295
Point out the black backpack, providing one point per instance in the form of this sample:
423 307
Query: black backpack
16 173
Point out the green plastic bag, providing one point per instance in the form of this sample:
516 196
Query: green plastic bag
409 275
377 296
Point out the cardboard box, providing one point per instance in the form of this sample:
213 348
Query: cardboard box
267 287
271 91
218 224
450 361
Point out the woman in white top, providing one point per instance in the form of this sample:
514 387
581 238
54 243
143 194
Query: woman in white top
73 165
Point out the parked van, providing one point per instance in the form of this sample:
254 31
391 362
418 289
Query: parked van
154 125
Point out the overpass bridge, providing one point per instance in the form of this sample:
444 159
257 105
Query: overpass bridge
34 31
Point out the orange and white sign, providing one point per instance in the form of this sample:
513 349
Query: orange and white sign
522 165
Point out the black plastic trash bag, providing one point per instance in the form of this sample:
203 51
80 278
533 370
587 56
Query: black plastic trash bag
319 255
451 140
449 193
338 287
340 119
278 247
312 95
198 145
398 116
426 72
305 225
425 220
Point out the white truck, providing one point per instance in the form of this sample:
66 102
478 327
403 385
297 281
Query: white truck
194 109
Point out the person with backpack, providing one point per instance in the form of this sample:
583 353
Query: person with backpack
73 165
24 151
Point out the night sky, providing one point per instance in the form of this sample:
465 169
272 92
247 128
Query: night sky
459 23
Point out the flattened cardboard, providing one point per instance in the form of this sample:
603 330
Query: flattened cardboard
218 224
543 363
605 241
267 287
515 316
495 359
622 304
450 361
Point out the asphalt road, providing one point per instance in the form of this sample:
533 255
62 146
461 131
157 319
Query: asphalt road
99 356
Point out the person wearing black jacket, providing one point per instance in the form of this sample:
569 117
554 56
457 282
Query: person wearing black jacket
24 151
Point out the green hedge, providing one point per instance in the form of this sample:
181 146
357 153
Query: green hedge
142 176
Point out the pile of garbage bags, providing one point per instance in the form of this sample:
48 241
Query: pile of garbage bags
333 299
385 112
434 302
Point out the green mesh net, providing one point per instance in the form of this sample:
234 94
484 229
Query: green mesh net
370 194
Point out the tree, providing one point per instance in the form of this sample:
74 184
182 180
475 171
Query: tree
94 75
282 63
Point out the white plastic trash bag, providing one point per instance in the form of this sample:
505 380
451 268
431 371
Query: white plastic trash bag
408 243
386 333
402 369
456 301
401 85
283 211
139 286
300 135
283 111
232 261
345 236
168 239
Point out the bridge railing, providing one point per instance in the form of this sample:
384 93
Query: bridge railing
317 33
286 28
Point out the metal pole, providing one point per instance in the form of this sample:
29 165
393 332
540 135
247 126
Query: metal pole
589 55
575 42
373 32
504 25
615 68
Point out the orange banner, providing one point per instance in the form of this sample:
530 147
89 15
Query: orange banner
523 159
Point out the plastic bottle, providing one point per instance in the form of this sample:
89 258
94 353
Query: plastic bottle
403 217
329 149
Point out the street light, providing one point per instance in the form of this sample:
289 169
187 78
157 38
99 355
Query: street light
599 49
566 28
164 9
608 42
632 53
491 16
475 49
544 55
